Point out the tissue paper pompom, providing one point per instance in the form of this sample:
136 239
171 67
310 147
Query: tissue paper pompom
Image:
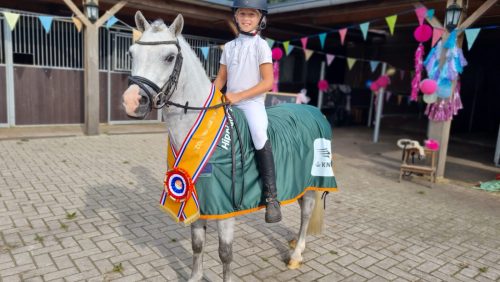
428 86
374 86
423 33
277 54
383 81
323 85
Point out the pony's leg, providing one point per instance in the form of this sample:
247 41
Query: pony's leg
198 231
226 234
306 207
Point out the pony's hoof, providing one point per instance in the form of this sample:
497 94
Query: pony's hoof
292 243
293 264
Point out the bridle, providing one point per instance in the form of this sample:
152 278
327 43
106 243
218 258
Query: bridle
163 94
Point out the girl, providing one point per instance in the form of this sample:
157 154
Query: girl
246 67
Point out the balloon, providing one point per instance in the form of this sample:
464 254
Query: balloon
383 81
374 86
422 33
429 99
428 86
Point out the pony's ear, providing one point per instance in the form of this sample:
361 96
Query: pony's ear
141 22
177 25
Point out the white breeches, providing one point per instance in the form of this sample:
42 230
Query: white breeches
255 113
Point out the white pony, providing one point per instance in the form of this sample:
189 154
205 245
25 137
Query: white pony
156 62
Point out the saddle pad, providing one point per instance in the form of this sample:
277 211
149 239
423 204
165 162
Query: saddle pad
301 140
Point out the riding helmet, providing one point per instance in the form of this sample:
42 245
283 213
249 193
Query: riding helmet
260 5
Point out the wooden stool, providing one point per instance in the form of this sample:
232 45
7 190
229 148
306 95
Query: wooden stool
413 164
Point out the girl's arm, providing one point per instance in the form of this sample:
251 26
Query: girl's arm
266 84
221 78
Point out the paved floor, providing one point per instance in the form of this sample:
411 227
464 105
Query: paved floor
85 208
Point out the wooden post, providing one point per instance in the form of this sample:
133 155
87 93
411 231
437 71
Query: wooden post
441 130
91 64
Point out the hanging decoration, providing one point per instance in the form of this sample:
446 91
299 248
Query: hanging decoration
308 53
342 33
204 51
449 102
270 42
329 59
111 21
374 65
471 35
12 19
323 85
422 34
322 38
351 62
78 24
391 22
364 29
46 22
277 54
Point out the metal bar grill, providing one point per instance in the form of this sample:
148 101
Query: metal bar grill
1 42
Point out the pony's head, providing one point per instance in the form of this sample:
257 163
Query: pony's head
156 66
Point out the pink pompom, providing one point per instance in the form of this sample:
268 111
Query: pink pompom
277 54
422 33
374 86
428 86
432 144
323 85
383 81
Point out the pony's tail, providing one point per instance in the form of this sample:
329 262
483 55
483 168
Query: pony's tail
316 222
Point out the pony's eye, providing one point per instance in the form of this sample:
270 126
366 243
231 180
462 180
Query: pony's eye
170 58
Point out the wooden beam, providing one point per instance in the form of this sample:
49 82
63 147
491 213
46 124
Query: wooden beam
110 12
477 14
77 12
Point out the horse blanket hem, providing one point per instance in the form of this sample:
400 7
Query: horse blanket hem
285 202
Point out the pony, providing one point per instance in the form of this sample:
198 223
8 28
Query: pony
163 57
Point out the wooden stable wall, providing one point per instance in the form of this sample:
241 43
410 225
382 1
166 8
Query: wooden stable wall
3 96
55 96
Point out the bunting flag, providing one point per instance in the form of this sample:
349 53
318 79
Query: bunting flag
401 74
46 22
400 99
221 47
111 21
342 33
391 22
471 35
430 14
322 38
78 23
350 62
11 19
288 47
421 14
270 42
364 29
304 42
436 35
374 65
136 35
204 51
329 59
308 53
388 95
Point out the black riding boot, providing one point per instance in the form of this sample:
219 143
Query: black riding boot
265 164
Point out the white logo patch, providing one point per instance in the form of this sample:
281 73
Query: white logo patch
322 163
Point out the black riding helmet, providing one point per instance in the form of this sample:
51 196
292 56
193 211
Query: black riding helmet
260 5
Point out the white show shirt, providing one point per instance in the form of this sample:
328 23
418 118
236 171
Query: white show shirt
243 57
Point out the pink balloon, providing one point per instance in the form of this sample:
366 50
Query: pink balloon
383 81
374 86
323 85
423 33
428 86
277 54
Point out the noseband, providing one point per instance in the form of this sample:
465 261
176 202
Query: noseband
163 94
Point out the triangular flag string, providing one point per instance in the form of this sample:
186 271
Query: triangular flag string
308 53
111 21
351 62
391 22
374 65
46 22
322 38
78 23
436 35
12 19
364 29
329 59
421 14
342 33
471 35
270 42
304 42
204 51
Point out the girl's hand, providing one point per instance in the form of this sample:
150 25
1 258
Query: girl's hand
232 98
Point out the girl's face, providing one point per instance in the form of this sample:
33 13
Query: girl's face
247 19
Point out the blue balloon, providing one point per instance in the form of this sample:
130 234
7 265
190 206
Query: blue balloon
368 83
